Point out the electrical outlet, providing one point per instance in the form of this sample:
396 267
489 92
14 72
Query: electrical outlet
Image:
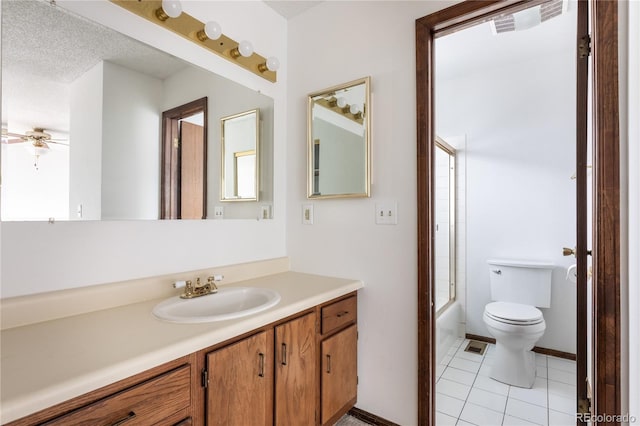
307 214
218 212
265 212
387 213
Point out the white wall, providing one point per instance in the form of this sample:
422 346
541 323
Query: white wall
342 152
375 39
85 159
77 254
35 193
130 144
631 126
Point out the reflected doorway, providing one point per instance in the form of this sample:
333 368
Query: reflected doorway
184 161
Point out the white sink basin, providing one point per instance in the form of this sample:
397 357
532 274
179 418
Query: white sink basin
227 303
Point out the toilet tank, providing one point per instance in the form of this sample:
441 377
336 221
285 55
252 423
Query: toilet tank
521 281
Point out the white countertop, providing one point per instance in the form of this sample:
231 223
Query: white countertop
50 362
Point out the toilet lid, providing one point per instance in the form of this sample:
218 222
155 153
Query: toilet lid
514 313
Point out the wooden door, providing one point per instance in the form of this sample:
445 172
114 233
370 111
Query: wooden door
192 176
295 372
339 372
240 387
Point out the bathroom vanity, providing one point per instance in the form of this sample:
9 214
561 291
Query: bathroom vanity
294 363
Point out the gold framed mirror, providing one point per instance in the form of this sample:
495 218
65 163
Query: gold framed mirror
339 141
240 153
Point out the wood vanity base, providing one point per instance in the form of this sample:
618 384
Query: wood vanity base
299 370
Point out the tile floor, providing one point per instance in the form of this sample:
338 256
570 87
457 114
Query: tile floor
466 395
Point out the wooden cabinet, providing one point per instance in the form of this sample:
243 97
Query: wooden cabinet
240 385
161 395
295 372
149 402
246 376
339 369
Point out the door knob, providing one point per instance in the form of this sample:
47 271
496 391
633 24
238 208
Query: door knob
566 251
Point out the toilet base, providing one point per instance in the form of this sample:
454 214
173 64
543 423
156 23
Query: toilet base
513 367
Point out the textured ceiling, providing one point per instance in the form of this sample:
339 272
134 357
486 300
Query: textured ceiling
44 48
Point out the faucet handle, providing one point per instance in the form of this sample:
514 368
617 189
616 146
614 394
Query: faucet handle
179 284
215 278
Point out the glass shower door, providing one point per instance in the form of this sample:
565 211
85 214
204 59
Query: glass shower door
445 208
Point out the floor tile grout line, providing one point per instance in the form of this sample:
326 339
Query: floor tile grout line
476 375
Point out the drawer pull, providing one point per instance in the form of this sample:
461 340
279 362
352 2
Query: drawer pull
328 364
261 368
284 354
129 416
343 313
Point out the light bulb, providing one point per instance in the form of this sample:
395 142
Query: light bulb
245 48
173 8
273 63
342 102
213 30
353 109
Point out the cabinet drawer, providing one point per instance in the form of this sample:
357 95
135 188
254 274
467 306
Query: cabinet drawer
146 403
338 314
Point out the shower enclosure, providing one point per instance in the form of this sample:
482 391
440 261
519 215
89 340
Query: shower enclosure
445 237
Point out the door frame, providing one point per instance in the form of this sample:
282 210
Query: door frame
606 199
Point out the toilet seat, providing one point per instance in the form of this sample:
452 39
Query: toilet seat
513 313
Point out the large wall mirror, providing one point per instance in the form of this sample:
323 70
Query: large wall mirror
82 120
338 145
240 151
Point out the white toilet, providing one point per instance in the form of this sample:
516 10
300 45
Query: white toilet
517 287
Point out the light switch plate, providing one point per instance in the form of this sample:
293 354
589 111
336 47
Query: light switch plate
307 214
218 212
387 213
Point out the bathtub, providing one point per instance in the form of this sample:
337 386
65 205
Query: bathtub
449 327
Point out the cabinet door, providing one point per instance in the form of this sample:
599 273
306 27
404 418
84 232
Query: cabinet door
295 372
240 388
339 372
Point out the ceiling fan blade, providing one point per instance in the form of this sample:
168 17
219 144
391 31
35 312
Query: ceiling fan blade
10 141
14 135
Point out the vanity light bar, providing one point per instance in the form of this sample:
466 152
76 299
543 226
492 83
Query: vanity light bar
190 28
332 104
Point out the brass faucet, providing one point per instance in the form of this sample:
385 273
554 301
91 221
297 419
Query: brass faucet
191 291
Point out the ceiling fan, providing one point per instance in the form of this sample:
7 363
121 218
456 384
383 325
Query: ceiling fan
38 138
36 141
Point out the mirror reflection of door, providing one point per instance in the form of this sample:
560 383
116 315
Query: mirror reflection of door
184 159
191 168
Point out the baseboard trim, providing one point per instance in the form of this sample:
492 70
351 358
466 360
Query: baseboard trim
553 352
480 338
369 418
536 349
